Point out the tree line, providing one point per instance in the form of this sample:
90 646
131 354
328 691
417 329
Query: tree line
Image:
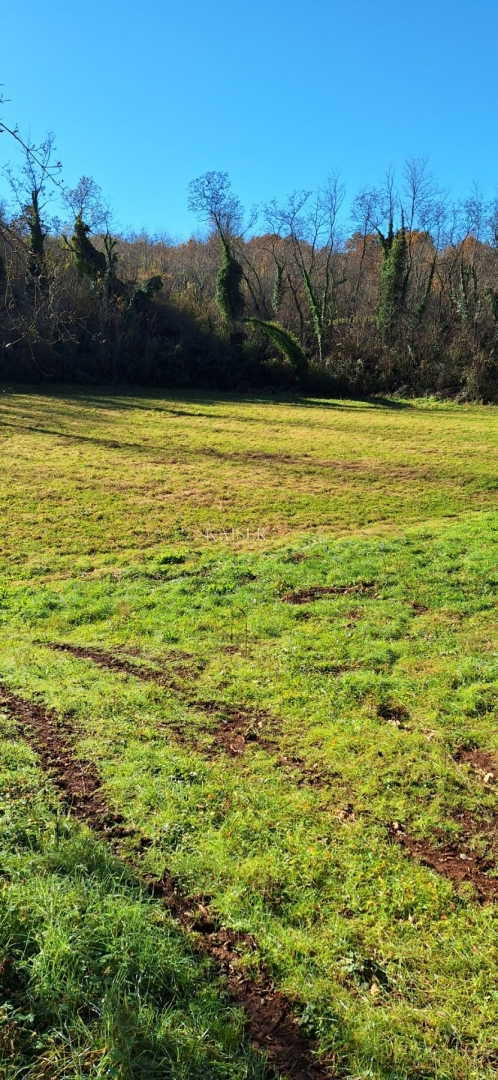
400 295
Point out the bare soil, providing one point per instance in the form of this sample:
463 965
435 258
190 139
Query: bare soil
236 727
304 775
394 714
458 861
316 592
483 764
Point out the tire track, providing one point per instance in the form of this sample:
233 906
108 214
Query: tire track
236 726
272 1026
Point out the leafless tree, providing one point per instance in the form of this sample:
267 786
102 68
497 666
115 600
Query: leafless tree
310 222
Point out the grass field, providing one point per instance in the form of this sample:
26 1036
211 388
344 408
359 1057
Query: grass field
283 623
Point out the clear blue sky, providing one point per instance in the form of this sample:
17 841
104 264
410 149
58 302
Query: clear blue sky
145 96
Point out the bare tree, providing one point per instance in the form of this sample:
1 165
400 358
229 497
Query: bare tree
311 225
29 187
212 199
86 200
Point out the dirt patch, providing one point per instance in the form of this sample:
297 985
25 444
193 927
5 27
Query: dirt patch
271 1024
236 728
354 615
483 764
457 861
316 592
394 714
303 775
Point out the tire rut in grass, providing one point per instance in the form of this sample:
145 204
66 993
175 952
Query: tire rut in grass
316 592
271 1024
459 861
122 664
236 726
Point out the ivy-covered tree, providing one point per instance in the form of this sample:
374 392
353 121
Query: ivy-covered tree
151 286
211 197
29 188
278 286
393 279
88 260
87 199
310 226
36 253
285 341
229 295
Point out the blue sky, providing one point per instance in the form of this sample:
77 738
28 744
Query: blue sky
146 96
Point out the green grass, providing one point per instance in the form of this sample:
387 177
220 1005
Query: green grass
107 502
96 979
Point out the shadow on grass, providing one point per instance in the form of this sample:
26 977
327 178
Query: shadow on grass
73 405
126 397
95 972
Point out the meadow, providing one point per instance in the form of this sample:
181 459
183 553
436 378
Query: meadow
264 630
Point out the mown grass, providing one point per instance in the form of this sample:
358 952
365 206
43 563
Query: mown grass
367 695
99 480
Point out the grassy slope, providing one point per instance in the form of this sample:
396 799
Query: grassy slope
394 968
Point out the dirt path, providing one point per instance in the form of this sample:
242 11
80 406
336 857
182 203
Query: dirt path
271 1024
